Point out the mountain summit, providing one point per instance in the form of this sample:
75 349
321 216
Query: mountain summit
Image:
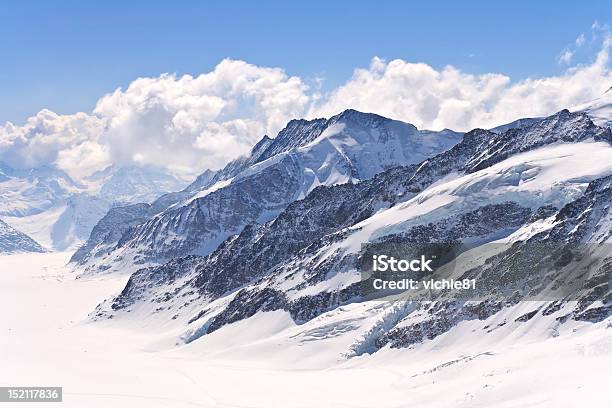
347 148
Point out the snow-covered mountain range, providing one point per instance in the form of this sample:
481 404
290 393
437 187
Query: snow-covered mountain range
347 148
545 181
286 229
59 212
33 191
265 261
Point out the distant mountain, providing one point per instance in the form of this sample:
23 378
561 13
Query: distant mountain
60 212
74 224
12 241
133 184
65 226
33 191
346 148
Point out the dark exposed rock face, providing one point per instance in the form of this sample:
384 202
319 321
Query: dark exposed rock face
145 279
308 307
441 317
206 221
110 229
248 302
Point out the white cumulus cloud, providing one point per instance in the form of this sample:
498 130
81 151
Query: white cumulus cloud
190 123
449 98
48 138
195 122
183 123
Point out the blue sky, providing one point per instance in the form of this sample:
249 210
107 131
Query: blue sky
65 55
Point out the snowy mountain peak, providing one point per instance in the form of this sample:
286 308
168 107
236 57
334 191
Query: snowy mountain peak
202 180
298 132
563 126
358 119
358 116
347 148
261 145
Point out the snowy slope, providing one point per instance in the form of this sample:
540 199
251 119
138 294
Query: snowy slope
65 226
548 176
12 241
75 223
600 109
39 226
269 361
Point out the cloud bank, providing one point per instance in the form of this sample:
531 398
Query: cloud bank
191 123
449 98
196 122
72 142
